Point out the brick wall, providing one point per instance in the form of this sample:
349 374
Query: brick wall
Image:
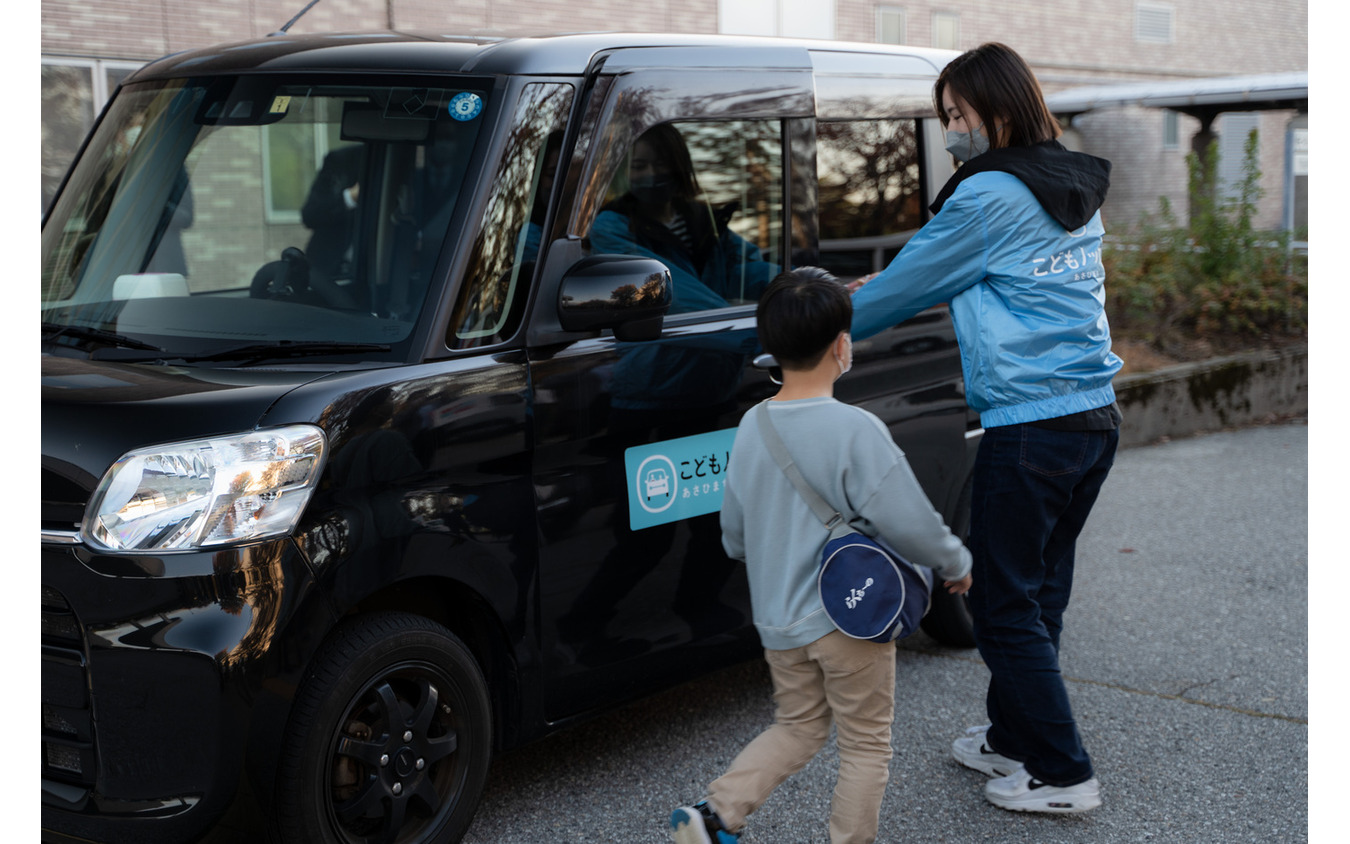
146 29
515 17
1085 41
1067 42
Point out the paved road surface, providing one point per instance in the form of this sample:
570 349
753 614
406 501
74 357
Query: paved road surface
1186 655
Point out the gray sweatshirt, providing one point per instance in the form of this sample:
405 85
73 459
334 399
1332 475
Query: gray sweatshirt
847 455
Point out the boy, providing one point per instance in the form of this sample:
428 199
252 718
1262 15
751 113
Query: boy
819 674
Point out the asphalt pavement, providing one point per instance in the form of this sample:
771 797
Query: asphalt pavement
1185 650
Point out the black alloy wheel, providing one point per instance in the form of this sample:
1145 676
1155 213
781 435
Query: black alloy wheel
390 738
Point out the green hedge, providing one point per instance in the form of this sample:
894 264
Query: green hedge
1214 278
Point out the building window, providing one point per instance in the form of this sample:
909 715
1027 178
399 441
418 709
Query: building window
73 92
946 30
1234 131
1153 23
890 25
1171 130
291 156
787 18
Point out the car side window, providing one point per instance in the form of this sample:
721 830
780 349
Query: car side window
706 199
501 264
870 192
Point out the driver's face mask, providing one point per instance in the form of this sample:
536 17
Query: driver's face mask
967 145
128 139
653 189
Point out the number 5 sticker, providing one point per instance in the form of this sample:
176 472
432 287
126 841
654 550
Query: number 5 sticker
465 106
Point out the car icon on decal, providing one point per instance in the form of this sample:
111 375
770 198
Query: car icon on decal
658 483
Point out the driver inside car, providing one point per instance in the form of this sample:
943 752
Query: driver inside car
330 212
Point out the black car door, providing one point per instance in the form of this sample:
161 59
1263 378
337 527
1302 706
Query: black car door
631 439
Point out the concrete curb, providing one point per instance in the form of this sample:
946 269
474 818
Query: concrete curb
1221 393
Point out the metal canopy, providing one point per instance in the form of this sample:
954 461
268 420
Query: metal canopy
1197 97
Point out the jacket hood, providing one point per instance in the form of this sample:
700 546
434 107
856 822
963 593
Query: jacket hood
1070 186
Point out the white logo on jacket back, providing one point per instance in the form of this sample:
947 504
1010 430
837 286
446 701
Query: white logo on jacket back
1083 263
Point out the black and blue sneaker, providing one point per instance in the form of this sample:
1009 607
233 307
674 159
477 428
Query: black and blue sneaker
699 824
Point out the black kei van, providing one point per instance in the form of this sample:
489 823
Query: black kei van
382 432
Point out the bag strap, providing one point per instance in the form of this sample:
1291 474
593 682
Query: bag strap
774 443
834 522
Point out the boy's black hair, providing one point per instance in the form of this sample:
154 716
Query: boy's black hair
800 314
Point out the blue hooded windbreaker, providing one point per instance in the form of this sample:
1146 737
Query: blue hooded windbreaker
1016 249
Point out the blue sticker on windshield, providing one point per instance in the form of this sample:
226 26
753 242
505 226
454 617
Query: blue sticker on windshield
677 479
465 105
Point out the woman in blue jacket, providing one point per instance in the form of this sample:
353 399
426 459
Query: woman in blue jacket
1015 247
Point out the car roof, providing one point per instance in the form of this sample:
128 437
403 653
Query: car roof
554 54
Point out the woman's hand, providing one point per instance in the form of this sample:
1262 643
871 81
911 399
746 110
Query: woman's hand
856 284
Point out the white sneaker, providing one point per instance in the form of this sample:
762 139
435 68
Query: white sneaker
1021 792
972 751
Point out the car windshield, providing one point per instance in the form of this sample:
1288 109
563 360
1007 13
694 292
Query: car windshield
257 211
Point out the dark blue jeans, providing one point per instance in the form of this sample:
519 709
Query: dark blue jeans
1033 490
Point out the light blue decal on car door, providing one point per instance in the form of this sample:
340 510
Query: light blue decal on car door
677 479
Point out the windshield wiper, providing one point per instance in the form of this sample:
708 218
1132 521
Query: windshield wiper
286 349
53 330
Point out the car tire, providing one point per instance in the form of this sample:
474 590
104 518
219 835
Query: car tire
389 739
948 620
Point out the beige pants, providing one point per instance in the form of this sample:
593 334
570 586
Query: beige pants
835 678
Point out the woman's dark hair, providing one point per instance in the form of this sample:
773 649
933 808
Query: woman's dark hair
800 314
668 144
995 82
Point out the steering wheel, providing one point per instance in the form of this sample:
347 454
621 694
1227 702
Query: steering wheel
287 279
290 280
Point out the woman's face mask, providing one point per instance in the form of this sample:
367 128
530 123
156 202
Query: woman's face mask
957 114
967 145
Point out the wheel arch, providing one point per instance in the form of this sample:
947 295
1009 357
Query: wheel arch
464 611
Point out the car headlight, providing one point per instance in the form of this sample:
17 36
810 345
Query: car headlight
188 495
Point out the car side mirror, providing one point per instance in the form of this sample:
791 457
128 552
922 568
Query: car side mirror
625 294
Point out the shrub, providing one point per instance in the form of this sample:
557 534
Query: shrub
1214 279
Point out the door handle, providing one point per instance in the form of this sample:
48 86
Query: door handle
767 363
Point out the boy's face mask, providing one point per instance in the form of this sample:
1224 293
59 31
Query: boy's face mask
846 362
967 145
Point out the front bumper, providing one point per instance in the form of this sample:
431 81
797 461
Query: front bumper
151 670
